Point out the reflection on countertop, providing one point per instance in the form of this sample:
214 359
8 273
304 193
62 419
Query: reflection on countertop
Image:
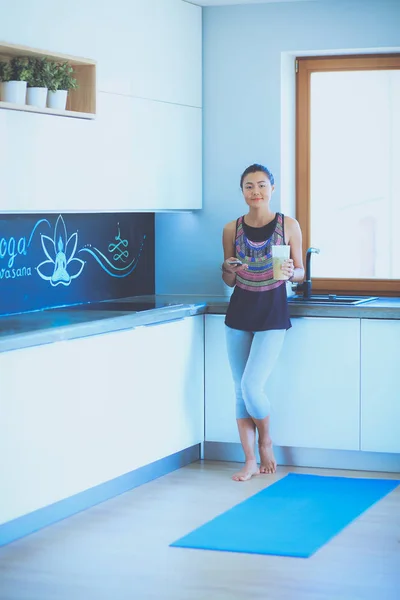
56 324
47 326
80 313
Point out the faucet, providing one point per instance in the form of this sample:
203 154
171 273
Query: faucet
305 287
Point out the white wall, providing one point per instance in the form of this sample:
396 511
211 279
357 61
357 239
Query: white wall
248 90
148 55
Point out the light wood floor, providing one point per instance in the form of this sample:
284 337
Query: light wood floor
120 549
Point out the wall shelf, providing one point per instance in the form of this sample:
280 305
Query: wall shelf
81 103
47 111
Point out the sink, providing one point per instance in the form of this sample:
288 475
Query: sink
332 300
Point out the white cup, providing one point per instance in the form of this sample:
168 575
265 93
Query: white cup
279 255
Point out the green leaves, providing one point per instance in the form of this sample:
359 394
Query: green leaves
63 77
39 72
20 68
5 71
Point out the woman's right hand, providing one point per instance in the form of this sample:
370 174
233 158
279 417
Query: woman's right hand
232 268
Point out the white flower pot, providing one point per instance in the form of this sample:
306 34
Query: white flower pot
13 91
36 96
57 99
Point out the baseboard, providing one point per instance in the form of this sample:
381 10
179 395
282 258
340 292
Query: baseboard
27 524
311 457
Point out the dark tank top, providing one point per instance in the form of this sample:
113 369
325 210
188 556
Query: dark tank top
259 302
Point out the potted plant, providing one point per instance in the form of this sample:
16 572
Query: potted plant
5 74
38 81
14 76
62 81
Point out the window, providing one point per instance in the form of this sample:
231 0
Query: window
348 171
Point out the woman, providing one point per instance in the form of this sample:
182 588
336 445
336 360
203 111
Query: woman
257 317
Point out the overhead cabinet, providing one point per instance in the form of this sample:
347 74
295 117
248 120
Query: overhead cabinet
137 155
162 51
140 147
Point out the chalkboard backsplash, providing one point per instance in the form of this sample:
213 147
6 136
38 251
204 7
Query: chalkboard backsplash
50 260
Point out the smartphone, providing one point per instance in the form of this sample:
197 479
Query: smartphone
235 263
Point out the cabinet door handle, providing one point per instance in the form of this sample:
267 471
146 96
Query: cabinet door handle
165 322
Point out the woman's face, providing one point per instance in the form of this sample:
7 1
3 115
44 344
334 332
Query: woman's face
257 189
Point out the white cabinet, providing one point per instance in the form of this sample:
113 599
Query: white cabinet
59 159
380 391
153 157
143 152
314 389
168 48
136 155
161 57
220 423
77 413
169 386
145 48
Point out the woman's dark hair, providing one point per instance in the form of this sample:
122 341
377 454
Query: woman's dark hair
255 169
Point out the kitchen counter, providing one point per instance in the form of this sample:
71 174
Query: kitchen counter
383 308
52 325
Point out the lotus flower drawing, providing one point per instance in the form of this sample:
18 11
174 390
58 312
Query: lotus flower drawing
61 267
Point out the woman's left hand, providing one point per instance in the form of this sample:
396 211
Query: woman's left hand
287 268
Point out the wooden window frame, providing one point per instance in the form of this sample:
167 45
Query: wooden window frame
305 66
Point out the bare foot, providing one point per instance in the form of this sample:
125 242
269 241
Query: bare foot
250 468
268 462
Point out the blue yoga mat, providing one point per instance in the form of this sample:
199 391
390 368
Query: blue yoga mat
293 517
